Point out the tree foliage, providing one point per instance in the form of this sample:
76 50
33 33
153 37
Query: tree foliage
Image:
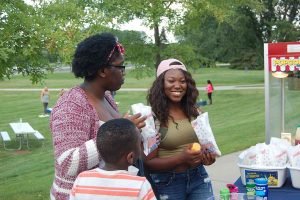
22 44
153 13
207 31
237 36
33 35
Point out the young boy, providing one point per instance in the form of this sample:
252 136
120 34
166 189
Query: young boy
119 144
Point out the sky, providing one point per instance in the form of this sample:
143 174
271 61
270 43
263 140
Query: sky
137 25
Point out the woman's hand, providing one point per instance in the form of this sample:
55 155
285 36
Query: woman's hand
195 158
190 157
137 120
208 158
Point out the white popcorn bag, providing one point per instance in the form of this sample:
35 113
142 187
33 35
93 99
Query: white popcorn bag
294 156
279 149
263 155
280 157
148 132
205 135
268 161
249 157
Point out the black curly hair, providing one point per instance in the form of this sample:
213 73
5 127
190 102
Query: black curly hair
92 54
160 102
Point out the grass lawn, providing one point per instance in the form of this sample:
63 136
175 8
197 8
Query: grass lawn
237 119
218 76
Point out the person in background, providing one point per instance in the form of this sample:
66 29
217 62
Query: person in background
78 114
115 180
209 90
45 97
177 171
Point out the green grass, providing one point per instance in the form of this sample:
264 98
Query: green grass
28 174
237 119
25 174
218 76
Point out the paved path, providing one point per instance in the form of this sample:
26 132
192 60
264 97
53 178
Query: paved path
223 171
227 87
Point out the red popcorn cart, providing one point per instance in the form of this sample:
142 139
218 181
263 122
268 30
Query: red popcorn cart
282 89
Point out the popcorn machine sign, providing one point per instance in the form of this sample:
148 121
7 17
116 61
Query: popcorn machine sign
285 64
284 57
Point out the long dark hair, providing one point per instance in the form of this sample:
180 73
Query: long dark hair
160 102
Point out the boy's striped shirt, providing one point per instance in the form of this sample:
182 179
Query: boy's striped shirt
111 185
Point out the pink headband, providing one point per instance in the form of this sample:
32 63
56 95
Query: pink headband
165 65
120 49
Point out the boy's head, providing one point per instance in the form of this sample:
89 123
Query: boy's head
118 141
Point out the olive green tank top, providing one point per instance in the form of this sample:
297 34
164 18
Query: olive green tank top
176 137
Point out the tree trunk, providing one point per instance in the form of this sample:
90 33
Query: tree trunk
157 44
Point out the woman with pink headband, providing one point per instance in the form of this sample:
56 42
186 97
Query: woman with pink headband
177 171
79 113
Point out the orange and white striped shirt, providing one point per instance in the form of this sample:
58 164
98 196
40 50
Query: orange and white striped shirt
111 185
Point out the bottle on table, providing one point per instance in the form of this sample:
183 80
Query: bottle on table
224 194
250 187
261 188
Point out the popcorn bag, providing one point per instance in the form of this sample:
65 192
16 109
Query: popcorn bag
263 155
249 157
205 135
294 156
148 132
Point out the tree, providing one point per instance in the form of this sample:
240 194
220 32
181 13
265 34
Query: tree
22 45
137 52
279 22
153 14
238 35
30 33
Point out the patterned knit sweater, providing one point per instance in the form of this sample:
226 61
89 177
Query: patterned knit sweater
74 124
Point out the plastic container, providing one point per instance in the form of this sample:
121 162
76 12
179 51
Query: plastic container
237 196
295 175
276 175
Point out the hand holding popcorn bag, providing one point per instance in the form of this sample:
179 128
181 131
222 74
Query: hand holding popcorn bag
148 132
205 135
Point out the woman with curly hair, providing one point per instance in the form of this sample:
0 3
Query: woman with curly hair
79 113
176 169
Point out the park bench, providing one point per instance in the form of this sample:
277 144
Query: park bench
5 138
39 136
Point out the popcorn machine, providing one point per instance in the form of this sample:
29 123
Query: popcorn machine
282 88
